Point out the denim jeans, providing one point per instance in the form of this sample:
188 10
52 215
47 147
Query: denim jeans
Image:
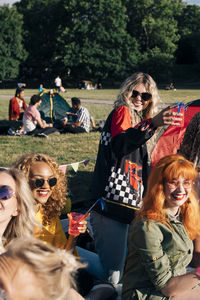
111 245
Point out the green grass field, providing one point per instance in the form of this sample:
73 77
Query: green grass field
68 149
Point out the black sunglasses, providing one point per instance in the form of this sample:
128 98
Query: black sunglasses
6 192
144 96
39 182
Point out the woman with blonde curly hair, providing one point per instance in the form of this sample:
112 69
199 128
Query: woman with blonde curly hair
160 239
151 94
49 188
17 206
123 165
31 269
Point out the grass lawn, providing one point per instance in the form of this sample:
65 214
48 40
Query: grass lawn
69 148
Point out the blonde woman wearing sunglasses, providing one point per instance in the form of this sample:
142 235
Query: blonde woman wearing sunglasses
17 207
122 167
49 188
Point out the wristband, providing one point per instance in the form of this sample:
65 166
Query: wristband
198 271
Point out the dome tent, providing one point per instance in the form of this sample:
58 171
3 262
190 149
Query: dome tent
53 107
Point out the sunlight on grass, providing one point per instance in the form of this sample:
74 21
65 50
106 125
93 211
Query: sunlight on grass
69 148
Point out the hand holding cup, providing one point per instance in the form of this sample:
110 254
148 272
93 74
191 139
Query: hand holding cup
77 223
169 116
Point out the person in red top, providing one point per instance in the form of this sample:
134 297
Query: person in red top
122 167
17 105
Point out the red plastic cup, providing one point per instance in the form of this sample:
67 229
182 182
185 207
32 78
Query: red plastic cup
74 220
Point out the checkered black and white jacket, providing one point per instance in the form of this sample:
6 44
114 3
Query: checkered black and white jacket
121 169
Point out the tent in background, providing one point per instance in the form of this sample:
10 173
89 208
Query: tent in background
53 107
171 137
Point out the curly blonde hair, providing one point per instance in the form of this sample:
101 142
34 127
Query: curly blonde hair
54 269
24 223
57 200
125 93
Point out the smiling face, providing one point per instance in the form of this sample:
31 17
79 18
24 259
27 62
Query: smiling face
8 208
41 170
138 102
176 193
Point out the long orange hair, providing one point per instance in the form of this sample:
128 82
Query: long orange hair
153 208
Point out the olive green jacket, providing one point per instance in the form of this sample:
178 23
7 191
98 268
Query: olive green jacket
156 254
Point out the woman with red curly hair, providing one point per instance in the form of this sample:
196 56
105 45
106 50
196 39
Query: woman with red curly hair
49 188
160 240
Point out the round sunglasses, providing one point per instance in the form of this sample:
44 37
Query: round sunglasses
144 96
6 192
39 182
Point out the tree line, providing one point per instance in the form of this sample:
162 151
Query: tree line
97 39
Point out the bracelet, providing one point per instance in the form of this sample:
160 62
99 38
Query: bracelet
198 271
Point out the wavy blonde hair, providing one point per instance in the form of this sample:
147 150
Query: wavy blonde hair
125 93
169 167
57 200
53 268
24 223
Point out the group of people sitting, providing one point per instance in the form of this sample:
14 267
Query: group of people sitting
143 235
78 120
144 224
31 198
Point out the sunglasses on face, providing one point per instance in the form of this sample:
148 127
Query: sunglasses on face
39 182
6 192
144 96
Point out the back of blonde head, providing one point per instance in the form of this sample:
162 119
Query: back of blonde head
53 268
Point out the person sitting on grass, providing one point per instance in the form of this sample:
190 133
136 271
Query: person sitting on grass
32 270
81 118
17 105
17 207
160 240
32 121
49 188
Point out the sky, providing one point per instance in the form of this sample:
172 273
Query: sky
13 1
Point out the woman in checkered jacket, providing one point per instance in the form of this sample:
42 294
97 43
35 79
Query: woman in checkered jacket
122 167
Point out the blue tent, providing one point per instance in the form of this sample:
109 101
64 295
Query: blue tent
53 107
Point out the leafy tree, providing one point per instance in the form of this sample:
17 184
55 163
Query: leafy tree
93 42
188 21
41 22
189 28
153 23
12 51
89 37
